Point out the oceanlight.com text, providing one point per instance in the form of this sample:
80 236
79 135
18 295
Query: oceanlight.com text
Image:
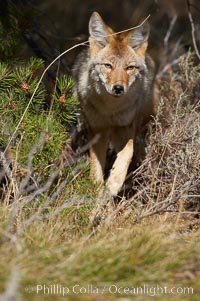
112 289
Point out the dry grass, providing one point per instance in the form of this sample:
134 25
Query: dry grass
67 236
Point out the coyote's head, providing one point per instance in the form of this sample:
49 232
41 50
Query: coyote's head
117 60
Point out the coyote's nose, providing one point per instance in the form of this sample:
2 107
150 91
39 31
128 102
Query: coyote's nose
118 89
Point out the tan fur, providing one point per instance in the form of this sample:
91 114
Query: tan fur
114 81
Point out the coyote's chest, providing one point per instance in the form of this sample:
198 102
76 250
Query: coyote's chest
105 111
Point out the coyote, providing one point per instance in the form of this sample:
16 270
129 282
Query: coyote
114 81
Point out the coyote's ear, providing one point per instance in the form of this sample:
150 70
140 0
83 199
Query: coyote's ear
138 37
98 30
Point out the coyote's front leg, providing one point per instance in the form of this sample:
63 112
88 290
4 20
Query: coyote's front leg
120 167
98 146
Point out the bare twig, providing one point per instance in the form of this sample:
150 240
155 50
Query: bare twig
162 207
6 170
193 29
11 292
40 215
34 149
169 66
169 32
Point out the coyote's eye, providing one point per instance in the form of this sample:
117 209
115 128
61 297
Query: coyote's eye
108 66
131 67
